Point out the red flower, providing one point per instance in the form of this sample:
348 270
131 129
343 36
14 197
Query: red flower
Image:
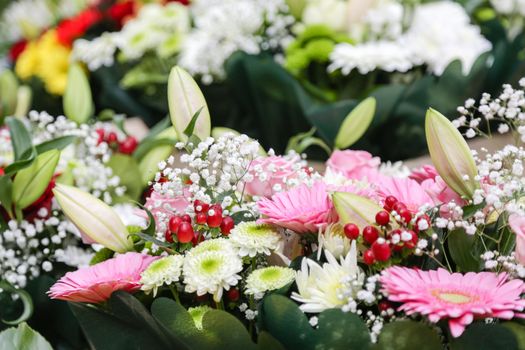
120 11
17 49
184 2
72 28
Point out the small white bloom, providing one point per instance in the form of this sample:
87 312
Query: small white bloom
268 279
164 271
251 238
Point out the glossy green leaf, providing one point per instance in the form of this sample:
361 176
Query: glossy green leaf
463 250
59 143
481 336
78 102
185 98
355 209
519 332
23 338
31 182
8 91
6 193
408 335
356 123
301 142
20 137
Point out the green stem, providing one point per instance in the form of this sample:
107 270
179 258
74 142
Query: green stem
175 293
219 305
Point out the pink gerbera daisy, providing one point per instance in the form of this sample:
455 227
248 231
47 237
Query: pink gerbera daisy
456 297
96 283
407 191
302 209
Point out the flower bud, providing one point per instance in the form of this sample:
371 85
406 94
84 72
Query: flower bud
353 208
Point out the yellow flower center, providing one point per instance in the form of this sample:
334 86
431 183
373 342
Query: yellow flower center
453 297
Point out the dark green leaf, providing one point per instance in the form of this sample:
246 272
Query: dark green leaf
146 146
26 300
6 193
102 255
20 138
152 239
59 143
408 335
481 336
519 332
463 250
191 125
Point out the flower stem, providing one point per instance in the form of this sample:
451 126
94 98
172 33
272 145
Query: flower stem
175 293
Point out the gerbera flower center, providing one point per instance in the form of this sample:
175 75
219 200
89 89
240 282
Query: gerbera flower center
453 297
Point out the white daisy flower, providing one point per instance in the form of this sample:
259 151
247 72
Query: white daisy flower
332 285
211 272
212 245
251 238
334 241
268 278
160 272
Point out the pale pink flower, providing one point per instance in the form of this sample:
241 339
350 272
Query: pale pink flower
163 207
456 297
96 283
517 224
406 190
302 209
357 165
424 173
268 172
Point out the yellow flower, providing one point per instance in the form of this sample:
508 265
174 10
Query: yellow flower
46 59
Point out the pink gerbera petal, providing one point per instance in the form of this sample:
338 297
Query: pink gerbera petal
456 297
96 283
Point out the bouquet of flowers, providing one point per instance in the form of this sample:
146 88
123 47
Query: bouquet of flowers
264 249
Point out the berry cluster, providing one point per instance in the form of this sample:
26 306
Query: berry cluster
126 146
207 218
396 231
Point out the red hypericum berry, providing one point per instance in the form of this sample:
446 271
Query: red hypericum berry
112 137
226 225
383 218
168 236
351 231
390 201
233 294
201 218
128 146
384 305
406 215
368 257
217 207
214 218
370 234
174 223
100 133
398 206
411 244
420 219
381 250
200 206
197 238
185 232
186 218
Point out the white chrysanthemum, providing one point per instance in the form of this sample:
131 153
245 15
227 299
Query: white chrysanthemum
334 241
211 272
212 245
164 271
441 32
251 238
268 278
332 285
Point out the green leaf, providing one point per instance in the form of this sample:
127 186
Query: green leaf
8 94
356 123
299 143
78 102
20 137
148 164
217 323
127 169
59 143
463 250
126 324
146 146
355 209
102 255
6 193
481 336
148 238
176 320
185 98
408 335
191 125
282 319
27 304
519 332
30 183
23 338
